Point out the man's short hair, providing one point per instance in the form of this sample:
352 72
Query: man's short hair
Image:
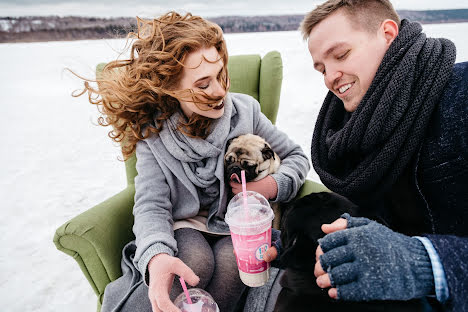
364 14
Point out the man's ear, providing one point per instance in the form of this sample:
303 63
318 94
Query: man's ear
389 29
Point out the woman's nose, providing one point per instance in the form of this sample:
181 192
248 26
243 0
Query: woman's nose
218 89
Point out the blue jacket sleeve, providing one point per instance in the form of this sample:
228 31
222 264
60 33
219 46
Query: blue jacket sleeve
453 253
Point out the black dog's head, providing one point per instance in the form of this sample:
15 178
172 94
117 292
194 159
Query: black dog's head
301 227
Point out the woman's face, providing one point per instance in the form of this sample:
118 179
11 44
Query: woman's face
202 72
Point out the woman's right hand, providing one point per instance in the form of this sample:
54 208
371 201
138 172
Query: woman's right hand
161 270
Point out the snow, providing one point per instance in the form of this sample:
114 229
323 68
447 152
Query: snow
57 162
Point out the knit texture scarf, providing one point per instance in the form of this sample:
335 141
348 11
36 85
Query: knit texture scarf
360 155
199 157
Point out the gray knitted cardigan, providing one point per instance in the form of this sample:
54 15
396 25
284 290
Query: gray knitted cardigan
164 193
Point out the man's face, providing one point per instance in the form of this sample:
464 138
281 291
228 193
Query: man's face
347 57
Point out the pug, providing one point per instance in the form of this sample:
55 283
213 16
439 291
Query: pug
251 153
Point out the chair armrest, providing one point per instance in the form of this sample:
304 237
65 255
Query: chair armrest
96 237
311 187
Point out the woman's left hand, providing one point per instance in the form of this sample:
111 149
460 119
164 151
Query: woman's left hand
266 186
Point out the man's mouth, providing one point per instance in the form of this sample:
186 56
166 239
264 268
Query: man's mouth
345 88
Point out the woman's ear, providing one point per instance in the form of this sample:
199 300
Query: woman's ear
389 29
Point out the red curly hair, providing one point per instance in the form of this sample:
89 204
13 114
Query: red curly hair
136 95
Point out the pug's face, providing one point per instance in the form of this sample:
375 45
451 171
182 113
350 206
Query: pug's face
251 153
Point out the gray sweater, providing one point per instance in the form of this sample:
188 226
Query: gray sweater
164 193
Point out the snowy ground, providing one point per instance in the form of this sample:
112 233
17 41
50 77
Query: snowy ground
57 163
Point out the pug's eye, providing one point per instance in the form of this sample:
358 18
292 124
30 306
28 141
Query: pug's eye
229 160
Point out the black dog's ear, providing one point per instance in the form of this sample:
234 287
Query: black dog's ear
267 153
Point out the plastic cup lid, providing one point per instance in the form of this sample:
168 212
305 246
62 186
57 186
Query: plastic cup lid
259 211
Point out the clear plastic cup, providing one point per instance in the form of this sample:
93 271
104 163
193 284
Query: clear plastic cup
201 301
251 236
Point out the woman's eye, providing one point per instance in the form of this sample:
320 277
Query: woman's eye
203 87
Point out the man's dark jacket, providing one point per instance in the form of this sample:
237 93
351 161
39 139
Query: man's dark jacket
431 197
443 176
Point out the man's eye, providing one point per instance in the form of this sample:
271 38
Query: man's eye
342 56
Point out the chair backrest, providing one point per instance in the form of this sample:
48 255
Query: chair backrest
249 74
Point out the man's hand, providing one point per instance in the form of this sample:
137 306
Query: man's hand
323 279
161 270
363 260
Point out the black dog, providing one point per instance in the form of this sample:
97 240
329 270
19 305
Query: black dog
301 228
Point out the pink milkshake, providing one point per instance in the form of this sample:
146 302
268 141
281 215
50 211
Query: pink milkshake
251 236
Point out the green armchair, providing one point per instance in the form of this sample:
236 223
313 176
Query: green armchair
96 237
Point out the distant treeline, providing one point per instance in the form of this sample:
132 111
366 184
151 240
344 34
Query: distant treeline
54 28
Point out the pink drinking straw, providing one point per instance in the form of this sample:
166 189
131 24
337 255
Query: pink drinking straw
244 192
184 287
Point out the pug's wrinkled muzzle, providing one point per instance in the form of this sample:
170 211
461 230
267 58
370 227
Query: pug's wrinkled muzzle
233 171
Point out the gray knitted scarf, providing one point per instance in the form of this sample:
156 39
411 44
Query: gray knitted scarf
361 154
199 157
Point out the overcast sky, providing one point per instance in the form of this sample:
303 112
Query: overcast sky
149 8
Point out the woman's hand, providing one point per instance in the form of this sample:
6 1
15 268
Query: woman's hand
161 270
266 186
270 254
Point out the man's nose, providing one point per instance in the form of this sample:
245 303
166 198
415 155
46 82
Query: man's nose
331 77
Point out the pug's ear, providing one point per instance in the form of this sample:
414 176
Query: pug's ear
267 153
229 142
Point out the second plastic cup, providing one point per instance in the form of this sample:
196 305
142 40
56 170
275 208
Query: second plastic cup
251 236
201 301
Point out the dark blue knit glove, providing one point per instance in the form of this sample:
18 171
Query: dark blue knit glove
368 261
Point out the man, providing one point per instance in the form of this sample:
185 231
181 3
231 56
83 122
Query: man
392 136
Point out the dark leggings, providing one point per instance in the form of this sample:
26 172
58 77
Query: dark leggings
213 260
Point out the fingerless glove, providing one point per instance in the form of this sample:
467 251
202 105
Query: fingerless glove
368 261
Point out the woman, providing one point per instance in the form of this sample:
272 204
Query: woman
170 104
